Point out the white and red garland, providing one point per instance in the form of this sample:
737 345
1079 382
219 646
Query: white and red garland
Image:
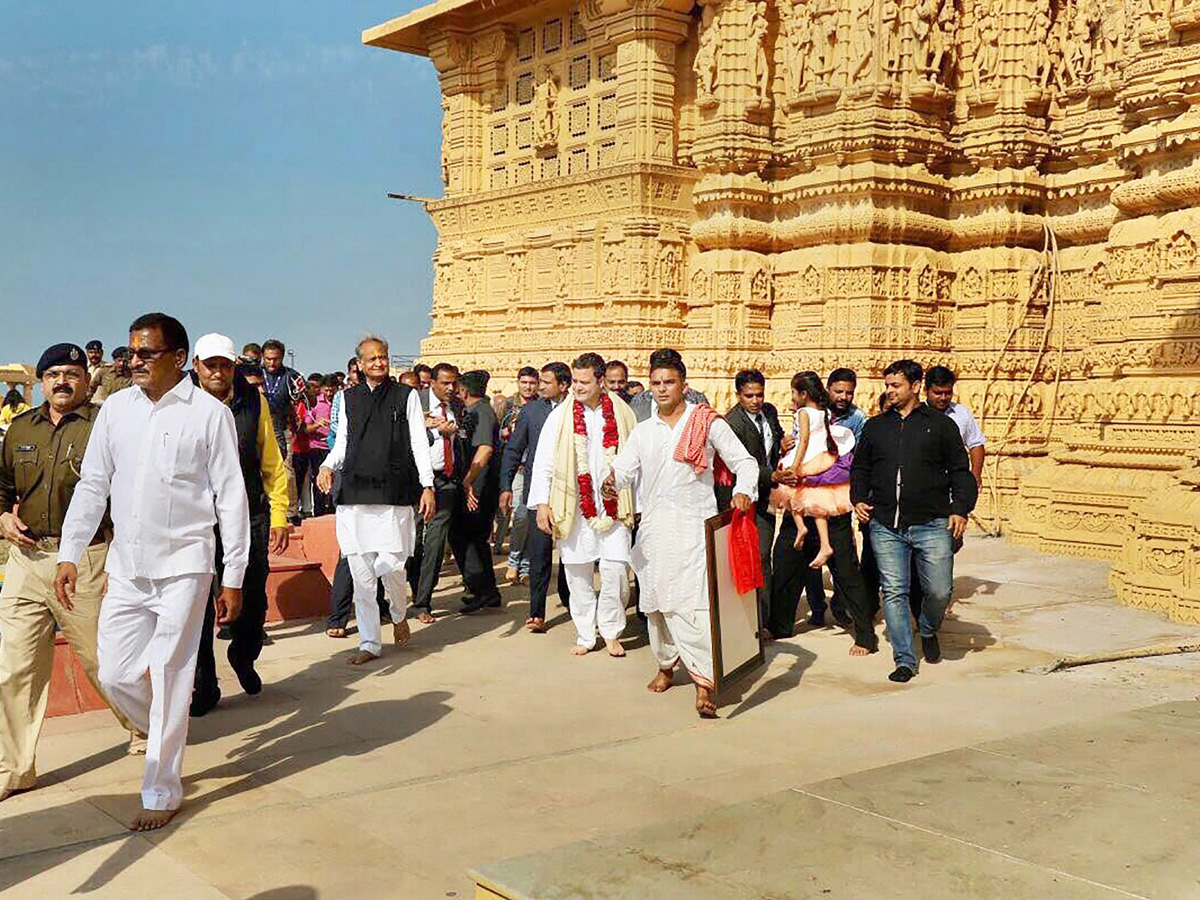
587 497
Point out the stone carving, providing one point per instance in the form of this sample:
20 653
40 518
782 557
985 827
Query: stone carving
799 36
545 114
759 71
936 33
825 27
890 20
986 59
706 63
446 141
516 276
862 39
670 261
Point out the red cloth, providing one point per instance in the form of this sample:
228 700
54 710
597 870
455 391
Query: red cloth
744 560
690 448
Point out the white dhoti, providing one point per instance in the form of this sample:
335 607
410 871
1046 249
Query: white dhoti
684 636
377 540
153 626
591 612
365 568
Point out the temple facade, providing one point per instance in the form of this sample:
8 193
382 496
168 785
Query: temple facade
1007 187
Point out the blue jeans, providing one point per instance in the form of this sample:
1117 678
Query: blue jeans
930 547
520 527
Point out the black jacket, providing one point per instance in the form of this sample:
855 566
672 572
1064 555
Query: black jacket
462 451
912 469
522 443
747 431
380 467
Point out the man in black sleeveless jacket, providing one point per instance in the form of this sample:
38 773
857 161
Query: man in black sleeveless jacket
382 453
266 489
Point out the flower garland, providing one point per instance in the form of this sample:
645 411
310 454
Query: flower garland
587 497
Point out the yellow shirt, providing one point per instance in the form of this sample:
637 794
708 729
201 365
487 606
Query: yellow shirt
270 464
8 413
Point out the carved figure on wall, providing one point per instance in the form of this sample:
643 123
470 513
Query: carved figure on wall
563 271
890 19
669 266
545 116
759 71
1078 44
825 22
1112 35
614 256
862 38
799 35
705 63
446 141
987 44
516 276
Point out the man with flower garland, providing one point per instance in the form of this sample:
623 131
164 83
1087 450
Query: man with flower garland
672 458
578 442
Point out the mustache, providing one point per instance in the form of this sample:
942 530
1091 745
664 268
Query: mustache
62 389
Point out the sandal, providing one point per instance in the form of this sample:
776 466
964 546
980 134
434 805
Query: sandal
335 632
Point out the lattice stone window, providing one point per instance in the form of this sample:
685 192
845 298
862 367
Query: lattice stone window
552 35
606 116
525 88
579 73
499 178
525 133
578 160
606 66
500 138
606 153
525 45
578 32
550 166
501 101
577 119
523 173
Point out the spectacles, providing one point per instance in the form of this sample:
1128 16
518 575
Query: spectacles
145 354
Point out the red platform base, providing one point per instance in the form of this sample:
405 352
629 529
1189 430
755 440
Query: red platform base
70 690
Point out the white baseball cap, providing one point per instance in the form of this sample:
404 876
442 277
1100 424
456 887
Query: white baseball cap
213 345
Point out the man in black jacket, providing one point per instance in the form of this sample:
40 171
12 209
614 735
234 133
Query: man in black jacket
912 481
553 384
756 424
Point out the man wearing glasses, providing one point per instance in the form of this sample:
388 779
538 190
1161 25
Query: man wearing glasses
39 468
165 453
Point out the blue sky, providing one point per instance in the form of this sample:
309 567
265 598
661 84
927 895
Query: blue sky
226 162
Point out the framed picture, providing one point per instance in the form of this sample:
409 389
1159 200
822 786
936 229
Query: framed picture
737 646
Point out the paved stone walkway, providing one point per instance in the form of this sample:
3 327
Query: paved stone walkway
480 743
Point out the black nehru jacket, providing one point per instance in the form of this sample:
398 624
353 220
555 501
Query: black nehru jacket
246 406
380 467
912 469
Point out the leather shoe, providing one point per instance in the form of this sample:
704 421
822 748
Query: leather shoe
478 603
902 675
933 650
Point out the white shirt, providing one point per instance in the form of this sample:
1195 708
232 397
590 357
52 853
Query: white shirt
972 434
764 428
380 527
583 544
675 501
172 473
437 443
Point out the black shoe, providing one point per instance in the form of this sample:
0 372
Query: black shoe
267 639
902 675
295 520
478 603
933 651
204 702
224 634
816 619
246 676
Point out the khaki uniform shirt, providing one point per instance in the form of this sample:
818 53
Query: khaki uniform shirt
40 465
109 383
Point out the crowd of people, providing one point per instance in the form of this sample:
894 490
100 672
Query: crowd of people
142 499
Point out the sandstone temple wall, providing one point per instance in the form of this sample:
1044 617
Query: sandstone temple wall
1010 187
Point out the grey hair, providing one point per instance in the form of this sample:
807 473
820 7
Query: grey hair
370 339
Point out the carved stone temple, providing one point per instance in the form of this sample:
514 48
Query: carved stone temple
1008 187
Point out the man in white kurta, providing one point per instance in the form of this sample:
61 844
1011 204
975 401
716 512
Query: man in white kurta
674 499
582 542
165 454
377 538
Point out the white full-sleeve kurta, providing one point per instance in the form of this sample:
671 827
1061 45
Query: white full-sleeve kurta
172 472
583 544
675 501
378 527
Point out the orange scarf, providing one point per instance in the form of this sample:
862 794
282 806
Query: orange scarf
690 448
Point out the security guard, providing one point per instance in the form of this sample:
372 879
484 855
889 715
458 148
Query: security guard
39 468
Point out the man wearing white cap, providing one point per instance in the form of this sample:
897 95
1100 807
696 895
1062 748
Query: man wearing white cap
383 454
265 477
165 453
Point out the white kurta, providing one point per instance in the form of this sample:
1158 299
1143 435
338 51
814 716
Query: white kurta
675 501
583 544
377 527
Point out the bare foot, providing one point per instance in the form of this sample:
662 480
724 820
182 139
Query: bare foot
799 542
615 648
660 682
580 650
5 793
705 705
425 618
336 632
536 625
401 632
821 558
362 656
859 651
150 819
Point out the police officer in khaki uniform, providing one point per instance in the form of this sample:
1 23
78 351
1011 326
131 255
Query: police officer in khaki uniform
39 468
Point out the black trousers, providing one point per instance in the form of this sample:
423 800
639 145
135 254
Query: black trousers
471 542
766 538
539 550
247 629
791 567
341 597
431 550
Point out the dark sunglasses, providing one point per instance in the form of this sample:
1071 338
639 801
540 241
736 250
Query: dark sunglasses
145 354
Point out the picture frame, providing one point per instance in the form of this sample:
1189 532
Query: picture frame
734 618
